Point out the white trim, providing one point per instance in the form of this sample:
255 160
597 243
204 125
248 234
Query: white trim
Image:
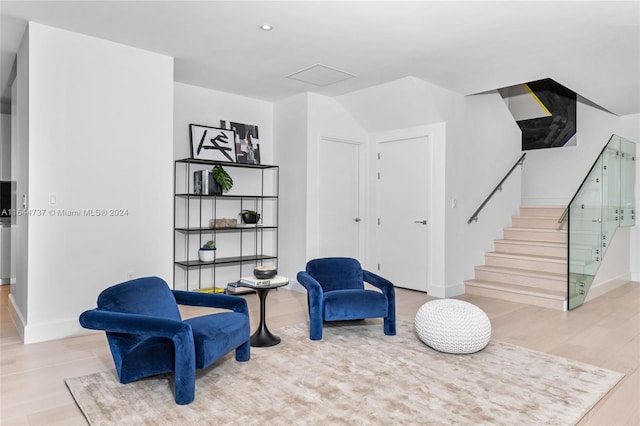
16 316
607 286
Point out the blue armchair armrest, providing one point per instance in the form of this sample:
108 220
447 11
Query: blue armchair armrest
118 322
314 300
376 280
222 301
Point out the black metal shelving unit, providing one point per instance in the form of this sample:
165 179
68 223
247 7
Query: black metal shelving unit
191 227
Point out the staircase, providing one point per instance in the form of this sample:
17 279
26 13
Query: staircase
529 265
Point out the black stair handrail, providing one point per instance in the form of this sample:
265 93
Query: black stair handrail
474 216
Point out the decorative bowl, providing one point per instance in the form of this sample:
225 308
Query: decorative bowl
264 272
250 218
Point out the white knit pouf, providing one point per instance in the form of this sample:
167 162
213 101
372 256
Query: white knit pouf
453 326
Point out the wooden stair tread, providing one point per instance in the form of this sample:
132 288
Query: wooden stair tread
525 272
532 243
512 228
527 257
529 291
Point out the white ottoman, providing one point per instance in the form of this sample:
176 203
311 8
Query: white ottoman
453 326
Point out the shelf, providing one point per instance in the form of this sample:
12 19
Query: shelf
237 228
225 261
225 164
237 197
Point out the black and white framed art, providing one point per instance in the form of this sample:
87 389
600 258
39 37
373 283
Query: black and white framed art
212 143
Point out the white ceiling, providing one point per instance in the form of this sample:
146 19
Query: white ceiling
590 47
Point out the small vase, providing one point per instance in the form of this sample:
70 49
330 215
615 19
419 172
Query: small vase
207 255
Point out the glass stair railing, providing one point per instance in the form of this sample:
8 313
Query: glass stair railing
604 202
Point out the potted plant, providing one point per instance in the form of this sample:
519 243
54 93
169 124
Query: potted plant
250 216
207 252
222 178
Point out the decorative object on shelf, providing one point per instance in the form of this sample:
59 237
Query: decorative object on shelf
207 252
223 223
205 184
264 272
212 143
247 142
250 216
221 176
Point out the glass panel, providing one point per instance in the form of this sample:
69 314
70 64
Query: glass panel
585 235
611 191
627 183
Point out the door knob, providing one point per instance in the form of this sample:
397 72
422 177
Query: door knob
424 222
357 219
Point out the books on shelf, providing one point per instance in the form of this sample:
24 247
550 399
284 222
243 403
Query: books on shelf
209 290
236 288
261 282
203 182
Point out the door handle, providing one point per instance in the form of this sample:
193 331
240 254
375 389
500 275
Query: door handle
424 222
357 219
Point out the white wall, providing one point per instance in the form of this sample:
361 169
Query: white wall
483 143
18 298
290 131
196 105
5 147
100 138
553 175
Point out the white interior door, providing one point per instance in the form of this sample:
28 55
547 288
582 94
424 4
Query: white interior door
403 207
339 219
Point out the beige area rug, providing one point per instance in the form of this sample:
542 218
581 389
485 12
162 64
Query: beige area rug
358 376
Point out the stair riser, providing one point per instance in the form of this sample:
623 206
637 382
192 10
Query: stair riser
523 280
515 297
505 247
554 212
537 223
528 264
524 235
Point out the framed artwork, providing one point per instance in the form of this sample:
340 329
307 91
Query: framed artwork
247 142
212 143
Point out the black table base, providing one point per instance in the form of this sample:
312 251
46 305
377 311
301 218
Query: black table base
262 336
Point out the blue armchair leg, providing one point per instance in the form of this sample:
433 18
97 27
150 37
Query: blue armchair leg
390 326
243 352
315 329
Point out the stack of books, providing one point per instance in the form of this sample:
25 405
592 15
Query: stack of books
236 288
261 282
209 290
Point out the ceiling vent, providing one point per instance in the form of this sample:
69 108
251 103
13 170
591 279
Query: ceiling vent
320 75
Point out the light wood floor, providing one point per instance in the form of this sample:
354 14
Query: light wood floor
604 332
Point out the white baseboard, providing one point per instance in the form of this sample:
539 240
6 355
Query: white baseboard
606 286
16 316
43 332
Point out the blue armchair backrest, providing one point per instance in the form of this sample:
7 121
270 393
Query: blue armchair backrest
144 296
336 273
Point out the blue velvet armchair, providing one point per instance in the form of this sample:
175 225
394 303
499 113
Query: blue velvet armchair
336 292
147 335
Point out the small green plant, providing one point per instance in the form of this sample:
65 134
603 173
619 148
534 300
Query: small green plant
253 212
221 176
209 245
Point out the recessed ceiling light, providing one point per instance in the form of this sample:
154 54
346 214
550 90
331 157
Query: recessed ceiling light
266 27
